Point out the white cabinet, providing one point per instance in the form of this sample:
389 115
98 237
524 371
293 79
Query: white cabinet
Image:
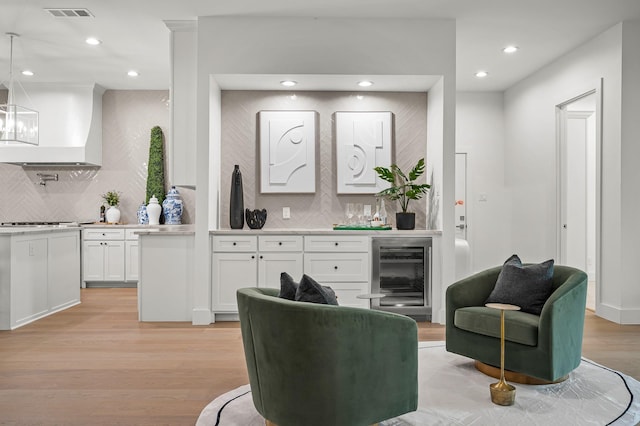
131 258
39 275
277 254
109 255
251 261
340 262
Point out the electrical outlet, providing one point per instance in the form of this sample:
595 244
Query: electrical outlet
286 213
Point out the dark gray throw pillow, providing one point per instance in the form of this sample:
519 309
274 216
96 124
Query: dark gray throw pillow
310 291
527 286
288 287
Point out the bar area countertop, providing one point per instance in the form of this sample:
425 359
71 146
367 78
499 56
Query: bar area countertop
327 231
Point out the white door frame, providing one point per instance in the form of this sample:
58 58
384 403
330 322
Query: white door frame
561 116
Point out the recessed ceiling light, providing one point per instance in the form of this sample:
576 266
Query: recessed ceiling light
93 41
359 97
288 83
293 97
133 73
510 49
28 73
482 74
365 83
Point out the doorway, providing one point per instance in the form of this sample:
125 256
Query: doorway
578 146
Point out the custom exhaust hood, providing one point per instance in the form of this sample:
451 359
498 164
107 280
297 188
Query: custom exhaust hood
70 127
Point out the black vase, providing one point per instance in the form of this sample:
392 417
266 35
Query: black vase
405 220
236 203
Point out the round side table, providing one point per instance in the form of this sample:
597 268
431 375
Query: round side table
502 393
370 296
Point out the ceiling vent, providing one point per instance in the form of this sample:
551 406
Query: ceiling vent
70 13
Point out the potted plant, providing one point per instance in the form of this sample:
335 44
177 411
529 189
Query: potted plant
404 189
112 198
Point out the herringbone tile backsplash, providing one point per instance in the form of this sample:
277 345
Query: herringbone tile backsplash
325 207
127 119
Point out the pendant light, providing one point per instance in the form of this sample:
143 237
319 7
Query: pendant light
17 124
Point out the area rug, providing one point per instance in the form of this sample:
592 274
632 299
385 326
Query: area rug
453 392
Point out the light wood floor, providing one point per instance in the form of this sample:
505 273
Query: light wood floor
95 364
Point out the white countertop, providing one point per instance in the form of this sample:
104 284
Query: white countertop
325 231
34 229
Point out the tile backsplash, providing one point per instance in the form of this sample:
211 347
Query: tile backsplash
127 119
324 207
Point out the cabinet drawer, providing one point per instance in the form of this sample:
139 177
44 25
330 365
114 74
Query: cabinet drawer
280 243
329 267
347 293
130 234
330 243
233 243
103 234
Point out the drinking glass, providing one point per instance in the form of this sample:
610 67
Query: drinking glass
359 214
350 213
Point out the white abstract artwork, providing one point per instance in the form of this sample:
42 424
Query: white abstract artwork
287 151
363 141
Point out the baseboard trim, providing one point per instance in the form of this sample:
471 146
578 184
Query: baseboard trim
201 317
618 315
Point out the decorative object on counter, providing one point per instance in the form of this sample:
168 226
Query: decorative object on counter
172 207
142 214
103 216
404 189
154 210
380 216
236 203
155 169
256 218
362 227
112 198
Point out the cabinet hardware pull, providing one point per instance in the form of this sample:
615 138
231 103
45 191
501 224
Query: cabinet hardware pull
260 256
253 257
234 243
335 267
280 243
336 244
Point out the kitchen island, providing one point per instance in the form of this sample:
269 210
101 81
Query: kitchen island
39 272
166 273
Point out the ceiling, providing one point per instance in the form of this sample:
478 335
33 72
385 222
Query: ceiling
134 35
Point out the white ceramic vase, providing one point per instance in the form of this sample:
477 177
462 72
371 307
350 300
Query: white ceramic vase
113 214
153 210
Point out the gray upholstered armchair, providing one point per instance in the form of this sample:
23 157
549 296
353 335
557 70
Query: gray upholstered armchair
546 347
312 364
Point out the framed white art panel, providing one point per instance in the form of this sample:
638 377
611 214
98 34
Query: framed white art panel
287 151
363 141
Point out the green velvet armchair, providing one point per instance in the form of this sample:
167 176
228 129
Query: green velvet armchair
311 364
546 347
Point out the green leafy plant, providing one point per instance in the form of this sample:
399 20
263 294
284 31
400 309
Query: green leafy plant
112 198
155 169
403 186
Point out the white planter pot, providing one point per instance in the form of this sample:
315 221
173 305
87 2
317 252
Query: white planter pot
113 214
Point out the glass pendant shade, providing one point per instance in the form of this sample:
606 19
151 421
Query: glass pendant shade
17 123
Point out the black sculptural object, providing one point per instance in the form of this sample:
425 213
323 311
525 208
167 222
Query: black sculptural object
236 203
256 218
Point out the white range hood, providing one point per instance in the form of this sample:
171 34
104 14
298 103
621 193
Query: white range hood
70 126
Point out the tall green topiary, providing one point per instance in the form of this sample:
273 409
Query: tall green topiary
155 169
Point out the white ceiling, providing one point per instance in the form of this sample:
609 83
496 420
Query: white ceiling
135 37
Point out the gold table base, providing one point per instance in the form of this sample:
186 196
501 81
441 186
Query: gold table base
502 393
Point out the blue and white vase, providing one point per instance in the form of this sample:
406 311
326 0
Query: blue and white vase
143 216
172 207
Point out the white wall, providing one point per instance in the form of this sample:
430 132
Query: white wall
530 161
480 134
